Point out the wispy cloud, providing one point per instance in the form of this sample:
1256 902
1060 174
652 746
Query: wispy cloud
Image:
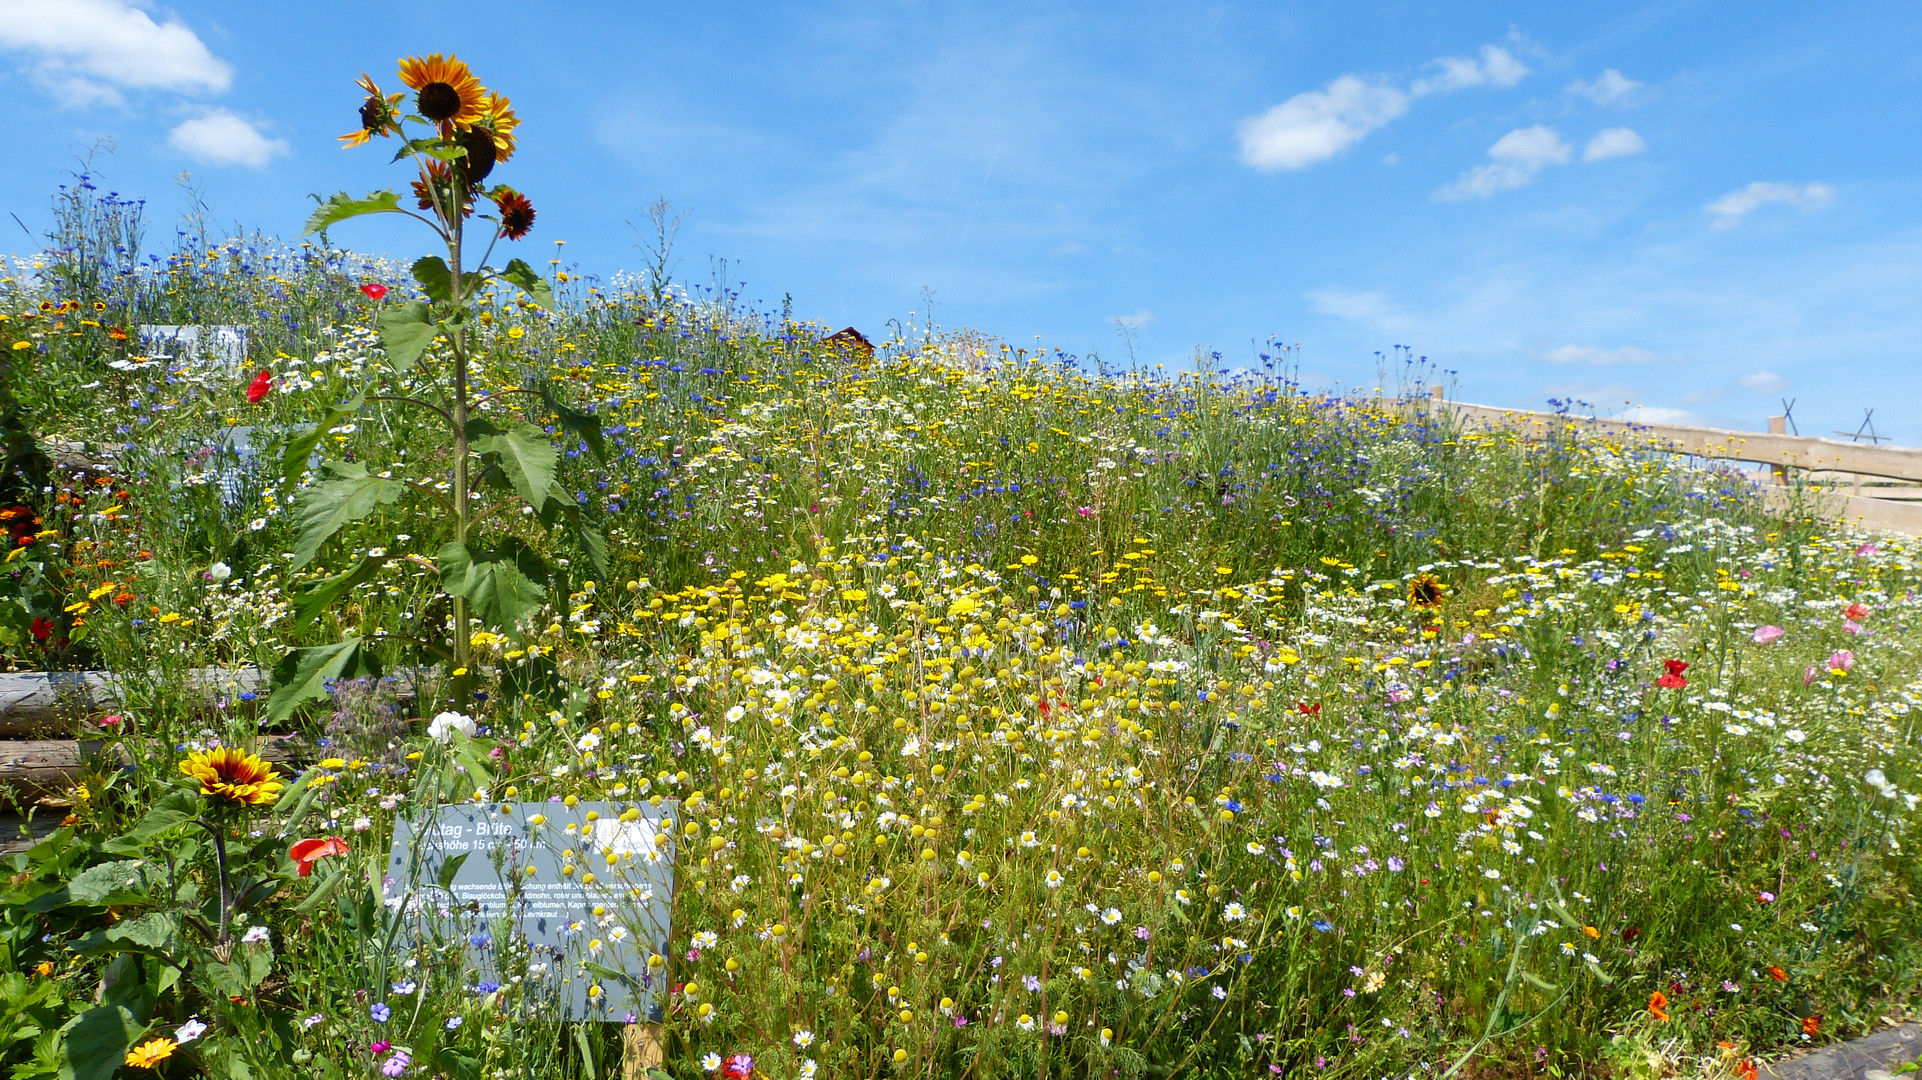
1612 143
1763 382
1608 88
1316 125
1729 210
1590 354
87 51
1497 67
1133 322
221 137
1514 160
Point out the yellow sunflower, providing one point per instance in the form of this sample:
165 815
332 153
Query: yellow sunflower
379 114
1426 591
446 91
498 119
151 1053
233 775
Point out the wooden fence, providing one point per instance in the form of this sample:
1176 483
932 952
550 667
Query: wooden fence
1875 487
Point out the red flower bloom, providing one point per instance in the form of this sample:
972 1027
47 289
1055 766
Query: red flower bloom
1857 612
1309 710
1658 1005
1673 680
42 628
256 390
738 1067
374 290
1811 1025
1778 974
307 852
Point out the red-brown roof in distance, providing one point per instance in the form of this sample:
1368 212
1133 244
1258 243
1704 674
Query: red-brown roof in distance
852 340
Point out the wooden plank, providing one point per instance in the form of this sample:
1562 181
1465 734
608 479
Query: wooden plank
46 765
47 703
1794 451
1873 515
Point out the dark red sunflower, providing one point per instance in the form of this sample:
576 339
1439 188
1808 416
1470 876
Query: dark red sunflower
517 214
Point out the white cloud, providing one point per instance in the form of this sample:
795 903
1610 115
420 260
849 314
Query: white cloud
83 49
222 138
1730 209
1613 142
1497 67
1516 158
1763 382
1608 88
1590 354
1316 125
1659 414
1133 322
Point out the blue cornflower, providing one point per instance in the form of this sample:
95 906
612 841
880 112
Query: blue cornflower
380 1012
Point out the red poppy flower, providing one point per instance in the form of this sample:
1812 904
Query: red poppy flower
1309 710
307 852
1857 612
374 290
257 390
1673 679
42 628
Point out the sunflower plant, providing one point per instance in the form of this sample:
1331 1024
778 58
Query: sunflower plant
454 136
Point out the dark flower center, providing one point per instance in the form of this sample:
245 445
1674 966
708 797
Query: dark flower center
373 112
480 154
439 101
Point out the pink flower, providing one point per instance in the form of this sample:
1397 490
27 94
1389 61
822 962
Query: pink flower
1084 511
1765 634
1841 660
111 720
1850 626
1868 549
1810 673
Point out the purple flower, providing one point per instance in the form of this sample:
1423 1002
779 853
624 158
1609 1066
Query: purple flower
1141 933
1395 863
380 1012
1033 984
396 1064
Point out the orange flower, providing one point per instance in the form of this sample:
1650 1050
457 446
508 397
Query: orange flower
379 115
1658 1005
1778 974
307 852
151 1053
447 92
1811 1025
1747 1070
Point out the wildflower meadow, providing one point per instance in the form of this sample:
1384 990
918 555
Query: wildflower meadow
994 712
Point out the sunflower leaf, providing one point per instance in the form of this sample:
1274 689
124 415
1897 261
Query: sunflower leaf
343 206
97 1042
347 496
568 418
303 674
505 584
522 276
313 597
435 278
405 332
528 459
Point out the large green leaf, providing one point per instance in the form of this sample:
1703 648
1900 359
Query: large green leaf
109 883
343 206
521 275
528 459
303 674
434 277
310 598
97 1042
299 451
172 810
504 584
405 332
348 495
568 418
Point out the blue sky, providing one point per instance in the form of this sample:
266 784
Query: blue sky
1695 208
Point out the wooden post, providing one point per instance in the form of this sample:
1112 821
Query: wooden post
641 1050
1779 425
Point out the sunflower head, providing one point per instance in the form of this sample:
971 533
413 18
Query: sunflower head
499 121
443 192
1426 592
446 92
517 214
379 114
233 776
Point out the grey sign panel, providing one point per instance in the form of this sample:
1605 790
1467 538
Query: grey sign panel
587 895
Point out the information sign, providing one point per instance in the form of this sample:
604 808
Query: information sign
587 894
